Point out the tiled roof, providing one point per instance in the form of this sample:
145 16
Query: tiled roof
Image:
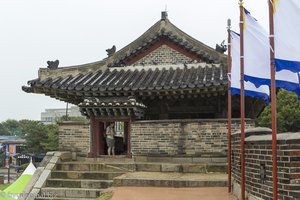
135 79
162 30
165 29
115 76
112 107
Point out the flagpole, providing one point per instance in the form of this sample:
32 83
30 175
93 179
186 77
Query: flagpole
273 100
229 105
242 101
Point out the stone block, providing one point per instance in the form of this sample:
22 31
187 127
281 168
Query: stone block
159 159
171 167
50 166
194 168
45 160
219 160
183 160
58 153
54 159
201 160
42 179
148 167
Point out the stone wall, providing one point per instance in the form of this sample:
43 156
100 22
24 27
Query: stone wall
74 136
258 164
181 137
163 55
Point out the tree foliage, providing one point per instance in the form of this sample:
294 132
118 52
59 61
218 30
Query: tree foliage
288 113
39 137
35 135
12 127
51 143
4 130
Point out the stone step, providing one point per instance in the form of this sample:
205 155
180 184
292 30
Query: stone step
70 192
209 158
105 159
156 179
78 166
98 175
79 183
145 166
184 168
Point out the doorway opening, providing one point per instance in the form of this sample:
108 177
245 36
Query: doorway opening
121 137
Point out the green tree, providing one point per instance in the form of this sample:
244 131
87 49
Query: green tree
51 143
35 135
13 127
288 113
4 130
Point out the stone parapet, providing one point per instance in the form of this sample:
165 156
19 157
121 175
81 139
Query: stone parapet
258 165
74 136
184 138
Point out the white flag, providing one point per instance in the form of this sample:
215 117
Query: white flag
250 89
287 35
257 58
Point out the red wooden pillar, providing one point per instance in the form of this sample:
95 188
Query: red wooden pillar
101 138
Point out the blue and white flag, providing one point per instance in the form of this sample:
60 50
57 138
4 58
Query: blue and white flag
262 92
257 58
287 34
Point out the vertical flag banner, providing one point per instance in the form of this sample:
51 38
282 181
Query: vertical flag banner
287 35
262 92
257 58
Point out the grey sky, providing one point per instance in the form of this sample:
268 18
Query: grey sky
79 31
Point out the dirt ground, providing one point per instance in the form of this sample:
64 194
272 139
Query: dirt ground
158 193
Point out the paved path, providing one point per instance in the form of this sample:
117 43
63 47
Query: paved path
156 193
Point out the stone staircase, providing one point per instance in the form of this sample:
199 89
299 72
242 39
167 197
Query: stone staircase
86 178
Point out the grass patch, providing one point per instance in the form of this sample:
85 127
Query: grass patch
105 195
3 186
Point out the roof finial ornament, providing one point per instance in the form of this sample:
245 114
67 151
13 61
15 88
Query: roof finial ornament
164 14
111 51
53 64
222 47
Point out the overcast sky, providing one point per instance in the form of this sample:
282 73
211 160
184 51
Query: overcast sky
78 32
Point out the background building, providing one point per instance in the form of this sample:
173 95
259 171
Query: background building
50 116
